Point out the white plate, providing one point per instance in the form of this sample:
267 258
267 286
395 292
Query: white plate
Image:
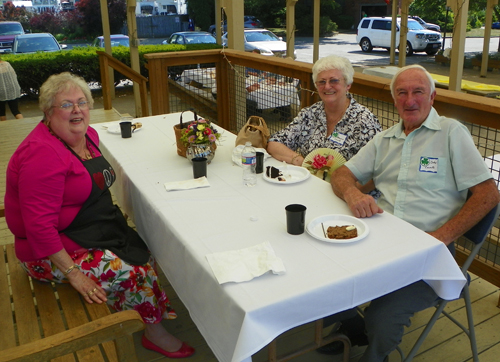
291 174
115 128
315 229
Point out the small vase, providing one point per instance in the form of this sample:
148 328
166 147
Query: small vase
206 150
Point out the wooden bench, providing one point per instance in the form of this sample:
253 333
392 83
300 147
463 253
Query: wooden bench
48 321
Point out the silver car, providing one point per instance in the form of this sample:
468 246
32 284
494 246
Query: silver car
262 41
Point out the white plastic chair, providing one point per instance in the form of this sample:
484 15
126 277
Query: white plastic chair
476 235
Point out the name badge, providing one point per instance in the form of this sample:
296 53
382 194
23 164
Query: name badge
338 138
428 164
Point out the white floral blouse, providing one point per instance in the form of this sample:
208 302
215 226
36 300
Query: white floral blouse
307 131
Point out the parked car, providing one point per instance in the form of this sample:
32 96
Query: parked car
250 22
262 41
190 37
426 25
376 33
495 25
8 31
116 40
37 42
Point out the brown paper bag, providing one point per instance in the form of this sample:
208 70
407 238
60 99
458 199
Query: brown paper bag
255 131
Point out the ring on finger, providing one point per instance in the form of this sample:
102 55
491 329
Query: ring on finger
90 293
94 290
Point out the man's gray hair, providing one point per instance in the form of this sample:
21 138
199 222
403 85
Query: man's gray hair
432 86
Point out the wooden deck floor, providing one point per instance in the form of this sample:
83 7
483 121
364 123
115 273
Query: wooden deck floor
445 343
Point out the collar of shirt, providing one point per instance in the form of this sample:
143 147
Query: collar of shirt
431 122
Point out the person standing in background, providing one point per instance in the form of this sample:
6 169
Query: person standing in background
10 91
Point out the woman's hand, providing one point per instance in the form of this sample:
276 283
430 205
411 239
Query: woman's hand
87 287
83 284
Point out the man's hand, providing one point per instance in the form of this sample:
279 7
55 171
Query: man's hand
344 186
362 205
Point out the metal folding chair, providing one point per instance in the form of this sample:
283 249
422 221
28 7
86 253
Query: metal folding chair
476 235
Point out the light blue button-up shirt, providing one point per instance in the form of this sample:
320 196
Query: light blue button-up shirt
423 177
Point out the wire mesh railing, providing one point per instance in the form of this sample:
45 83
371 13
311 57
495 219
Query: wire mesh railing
276 90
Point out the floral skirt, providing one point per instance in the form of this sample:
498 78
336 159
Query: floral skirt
127 286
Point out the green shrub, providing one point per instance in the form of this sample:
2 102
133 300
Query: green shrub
33 69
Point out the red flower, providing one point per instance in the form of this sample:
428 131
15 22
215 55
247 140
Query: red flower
118 304
92 259
108 275
319 161
127 284
40 269
148 312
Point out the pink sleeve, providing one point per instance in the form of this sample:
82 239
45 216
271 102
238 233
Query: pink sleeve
41 185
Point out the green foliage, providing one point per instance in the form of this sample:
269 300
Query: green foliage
202 12
33 69
329 10
91 22
344 21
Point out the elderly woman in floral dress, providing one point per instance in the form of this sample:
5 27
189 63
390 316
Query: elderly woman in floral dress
337 121
67 230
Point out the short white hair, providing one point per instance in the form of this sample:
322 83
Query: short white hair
432 86
334 62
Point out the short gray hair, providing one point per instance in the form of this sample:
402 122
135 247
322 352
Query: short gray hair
432 86
60 83
334 62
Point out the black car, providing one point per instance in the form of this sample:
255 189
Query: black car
190 37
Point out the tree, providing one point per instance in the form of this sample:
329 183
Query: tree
90 10
12 13
202 12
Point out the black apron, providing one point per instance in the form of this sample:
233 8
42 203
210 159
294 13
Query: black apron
100 223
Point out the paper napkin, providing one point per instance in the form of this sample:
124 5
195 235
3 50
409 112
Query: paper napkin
245 264
187 184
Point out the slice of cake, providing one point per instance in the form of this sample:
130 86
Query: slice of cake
342 232
273 172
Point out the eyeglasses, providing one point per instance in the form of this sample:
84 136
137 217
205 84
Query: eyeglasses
332 82
69 106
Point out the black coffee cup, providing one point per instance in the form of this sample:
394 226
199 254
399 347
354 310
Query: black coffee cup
126 129
199 167
259 166
295 219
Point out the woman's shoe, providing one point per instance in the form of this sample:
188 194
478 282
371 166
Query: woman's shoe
183 352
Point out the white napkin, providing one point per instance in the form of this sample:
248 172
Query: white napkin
236 156
187 184
245 264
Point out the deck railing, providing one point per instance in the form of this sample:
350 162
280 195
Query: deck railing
225 97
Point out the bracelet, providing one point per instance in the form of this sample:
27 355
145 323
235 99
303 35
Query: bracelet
294 157
70 269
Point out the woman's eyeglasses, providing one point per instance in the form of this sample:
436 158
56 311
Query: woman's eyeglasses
332 82
69 106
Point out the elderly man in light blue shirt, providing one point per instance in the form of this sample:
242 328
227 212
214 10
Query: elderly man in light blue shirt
424 166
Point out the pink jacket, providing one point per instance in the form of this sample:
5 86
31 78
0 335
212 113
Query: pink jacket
46 187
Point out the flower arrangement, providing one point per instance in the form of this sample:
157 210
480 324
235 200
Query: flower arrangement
320 163
198 132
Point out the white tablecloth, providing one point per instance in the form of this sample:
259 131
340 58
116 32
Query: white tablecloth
182 227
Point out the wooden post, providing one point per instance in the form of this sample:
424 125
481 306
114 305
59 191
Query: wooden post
290 28
487 35
316 30
460 9
106 33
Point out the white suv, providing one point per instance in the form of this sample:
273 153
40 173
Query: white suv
376 33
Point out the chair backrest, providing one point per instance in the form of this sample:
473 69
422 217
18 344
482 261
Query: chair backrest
477 234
